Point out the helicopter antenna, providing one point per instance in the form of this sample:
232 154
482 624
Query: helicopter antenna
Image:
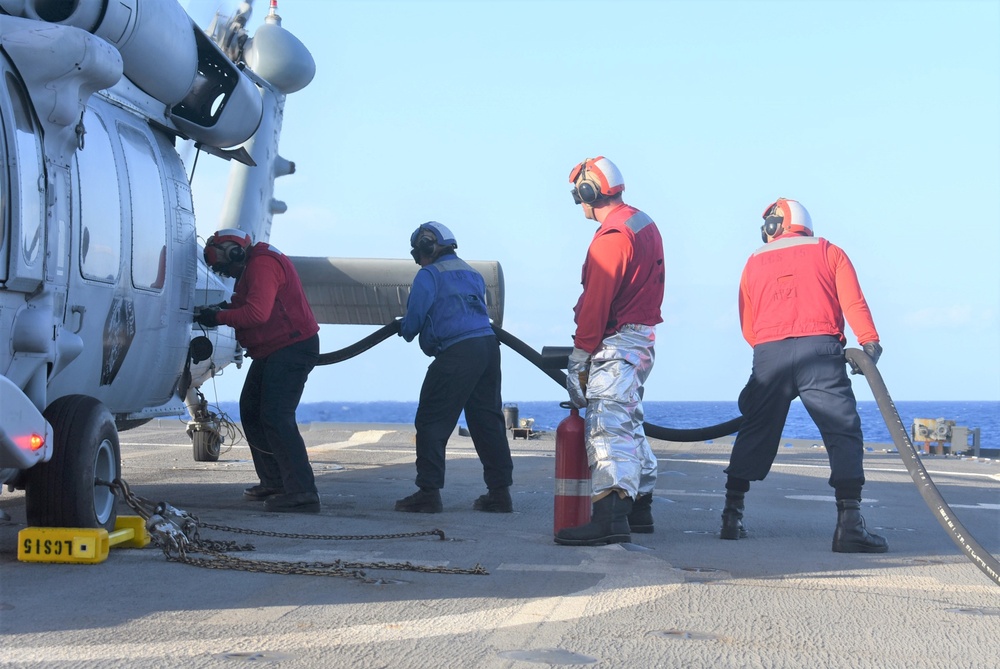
194 164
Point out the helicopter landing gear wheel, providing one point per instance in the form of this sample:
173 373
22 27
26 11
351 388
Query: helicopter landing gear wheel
70 489
207 444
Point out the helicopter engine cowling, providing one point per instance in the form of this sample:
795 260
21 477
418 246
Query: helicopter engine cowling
167 56
155 39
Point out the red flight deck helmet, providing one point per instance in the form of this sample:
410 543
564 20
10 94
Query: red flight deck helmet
784 215
226 246
594 179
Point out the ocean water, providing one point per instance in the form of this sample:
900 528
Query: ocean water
984 415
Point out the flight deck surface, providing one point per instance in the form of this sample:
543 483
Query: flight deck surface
678 597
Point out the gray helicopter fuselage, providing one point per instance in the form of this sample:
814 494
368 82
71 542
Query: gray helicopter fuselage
99 258
101 270
99 250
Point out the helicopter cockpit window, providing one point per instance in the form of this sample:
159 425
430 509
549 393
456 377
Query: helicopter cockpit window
100 204
149 222
29 171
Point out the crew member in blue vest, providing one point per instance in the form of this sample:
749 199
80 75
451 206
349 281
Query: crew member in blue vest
447 308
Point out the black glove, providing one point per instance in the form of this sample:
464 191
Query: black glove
873 350
207 317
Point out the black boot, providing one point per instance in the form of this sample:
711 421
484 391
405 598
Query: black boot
260 492
851 535
425 500
608 524
496 500
640 520
293 502
732 517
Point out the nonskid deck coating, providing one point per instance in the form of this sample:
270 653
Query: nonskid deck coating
678 597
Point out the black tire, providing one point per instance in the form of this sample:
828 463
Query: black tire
207 444
64 492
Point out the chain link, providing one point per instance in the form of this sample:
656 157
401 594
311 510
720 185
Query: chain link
327 537
177 533
339 568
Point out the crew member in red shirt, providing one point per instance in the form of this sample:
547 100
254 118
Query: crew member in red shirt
274 323
623 277
795 292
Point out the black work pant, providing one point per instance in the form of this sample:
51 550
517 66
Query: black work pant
465 376
271 393
814 369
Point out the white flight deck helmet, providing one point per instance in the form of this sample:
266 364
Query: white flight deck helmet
784 215
429 234
595 179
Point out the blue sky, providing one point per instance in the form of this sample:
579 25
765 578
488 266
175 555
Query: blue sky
882 118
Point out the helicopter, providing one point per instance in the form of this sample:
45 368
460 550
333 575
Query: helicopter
101 268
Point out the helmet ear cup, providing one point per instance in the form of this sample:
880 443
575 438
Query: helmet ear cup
423 247
774 219
772 224
588 192
219 254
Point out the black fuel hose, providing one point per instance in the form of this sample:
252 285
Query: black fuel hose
654 431
360 346
961 536
535 358
911 459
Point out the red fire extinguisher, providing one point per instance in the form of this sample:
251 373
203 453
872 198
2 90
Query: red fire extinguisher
572 500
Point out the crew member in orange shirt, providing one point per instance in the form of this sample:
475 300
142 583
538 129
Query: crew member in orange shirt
794 295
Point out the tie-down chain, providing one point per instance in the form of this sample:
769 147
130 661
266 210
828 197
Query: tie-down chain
177 533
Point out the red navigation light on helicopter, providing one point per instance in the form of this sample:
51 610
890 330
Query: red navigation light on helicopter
36 442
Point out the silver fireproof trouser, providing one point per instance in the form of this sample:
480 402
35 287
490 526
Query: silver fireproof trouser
619 453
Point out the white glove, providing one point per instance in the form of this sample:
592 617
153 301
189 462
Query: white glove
577 372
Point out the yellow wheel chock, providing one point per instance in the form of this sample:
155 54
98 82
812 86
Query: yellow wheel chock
78 544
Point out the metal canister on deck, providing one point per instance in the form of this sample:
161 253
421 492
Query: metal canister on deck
510 412
572 494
